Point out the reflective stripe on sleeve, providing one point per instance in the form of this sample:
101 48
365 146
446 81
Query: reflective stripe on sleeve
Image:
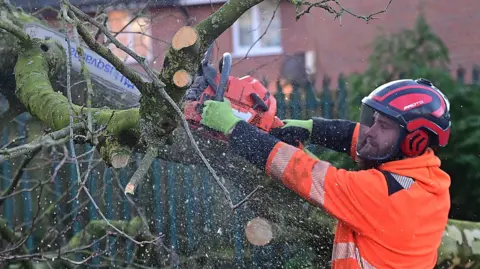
349 251
317 191
282 153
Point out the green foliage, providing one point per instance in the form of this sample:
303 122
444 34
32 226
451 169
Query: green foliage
461 158
416 53
410 53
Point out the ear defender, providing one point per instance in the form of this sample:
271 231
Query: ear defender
415 143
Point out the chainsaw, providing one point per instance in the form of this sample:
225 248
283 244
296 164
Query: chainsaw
249 98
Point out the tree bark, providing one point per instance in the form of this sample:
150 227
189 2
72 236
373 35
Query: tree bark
460 245
38 63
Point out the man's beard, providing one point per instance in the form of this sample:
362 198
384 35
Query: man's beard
367 164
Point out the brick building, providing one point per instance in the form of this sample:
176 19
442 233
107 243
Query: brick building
309 48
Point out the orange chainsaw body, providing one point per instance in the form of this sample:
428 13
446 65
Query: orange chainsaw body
249 99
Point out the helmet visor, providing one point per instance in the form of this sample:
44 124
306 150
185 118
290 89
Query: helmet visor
379 137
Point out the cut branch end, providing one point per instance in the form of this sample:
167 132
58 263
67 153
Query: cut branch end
184 38
120 160
182 78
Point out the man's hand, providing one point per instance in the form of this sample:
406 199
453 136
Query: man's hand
219 116
294 131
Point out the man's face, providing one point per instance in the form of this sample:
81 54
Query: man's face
380 139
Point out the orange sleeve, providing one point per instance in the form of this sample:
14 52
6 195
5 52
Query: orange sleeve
354 197
353 145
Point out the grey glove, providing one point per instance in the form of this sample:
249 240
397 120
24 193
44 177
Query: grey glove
196 89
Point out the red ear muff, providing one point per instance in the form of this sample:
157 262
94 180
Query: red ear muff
415 143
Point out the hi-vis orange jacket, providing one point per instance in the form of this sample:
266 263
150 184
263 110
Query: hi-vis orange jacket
390 217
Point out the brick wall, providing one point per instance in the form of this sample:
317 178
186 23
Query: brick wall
339 47
345 47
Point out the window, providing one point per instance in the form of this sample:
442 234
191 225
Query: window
257 31
135 35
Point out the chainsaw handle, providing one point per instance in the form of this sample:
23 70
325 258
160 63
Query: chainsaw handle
225 69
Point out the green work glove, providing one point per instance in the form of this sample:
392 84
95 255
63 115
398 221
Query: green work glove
294 131
219 116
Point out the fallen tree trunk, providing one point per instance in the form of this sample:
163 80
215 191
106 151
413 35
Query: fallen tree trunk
40 62
460 245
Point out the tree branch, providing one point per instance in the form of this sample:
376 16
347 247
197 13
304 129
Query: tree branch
13 29
142 170
35 91
157 120
19 174
192 43
46 140
9 235
103 51
338 14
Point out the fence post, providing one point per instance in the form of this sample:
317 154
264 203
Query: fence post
280 97
59 207
475 74
92 187
127 245
326 98
157 185
27 196
73 192
342 97
171 169
311 101
294 104
109 204
187 175
461 75
8 204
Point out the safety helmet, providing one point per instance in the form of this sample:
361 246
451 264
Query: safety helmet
402 118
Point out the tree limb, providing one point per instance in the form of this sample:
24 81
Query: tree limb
52 108
192 43
103 51
9 235
142 170
13 29
19 174
46 140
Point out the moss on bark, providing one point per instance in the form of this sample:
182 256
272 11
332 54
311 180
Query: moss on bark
95 229
9 236
208 30
460 244
32 72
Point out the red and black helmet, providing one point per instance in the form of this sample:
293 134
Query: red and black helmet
420 109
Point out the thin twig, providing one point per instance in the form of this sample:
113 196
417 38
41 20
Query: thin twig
113 226
142 170
86 74
141 214
60 165
105 20
53 138
322 4
247 197
137 15
19 174
144 34
261 36
13 142
366 18
69 88
6 25
157 84
139 59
